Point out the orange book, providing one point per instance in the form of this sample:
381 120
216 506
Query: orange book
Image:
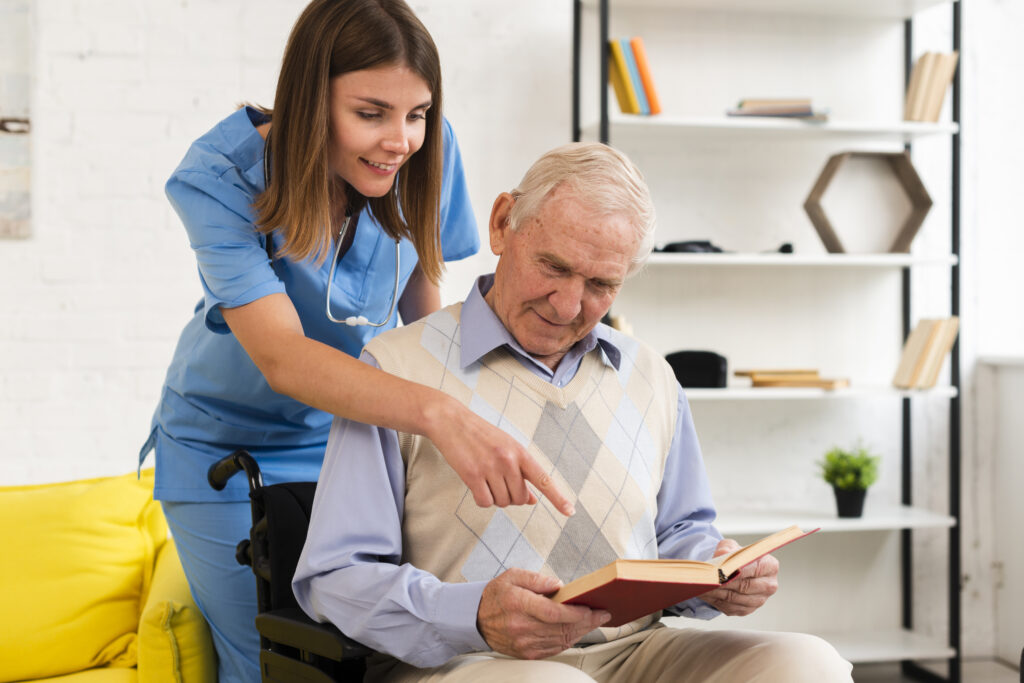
631 589
644 67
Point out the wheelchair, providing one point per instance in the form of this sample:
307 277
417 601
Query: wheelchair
293 647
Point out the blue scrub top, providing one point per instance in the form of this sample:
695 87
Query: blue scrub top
215 399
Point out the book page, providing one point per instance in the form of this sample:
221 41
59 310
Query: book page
738 559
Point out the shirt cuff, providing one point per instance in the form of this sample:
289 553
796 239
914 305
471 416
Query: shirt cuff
694 609
455 621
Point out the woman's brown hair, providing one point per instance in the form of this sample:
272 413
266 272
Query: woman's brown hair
330 38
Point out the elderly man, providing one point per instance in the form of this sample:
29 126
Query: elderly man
400 558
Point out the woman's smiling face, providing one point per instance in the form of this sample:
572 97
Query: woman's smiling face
378 121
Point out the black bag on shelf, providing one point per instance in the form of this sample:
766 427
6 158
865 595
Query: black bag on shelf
699 369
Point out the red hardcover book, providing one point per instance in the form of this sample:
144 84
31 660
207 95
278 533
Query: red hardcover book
631 589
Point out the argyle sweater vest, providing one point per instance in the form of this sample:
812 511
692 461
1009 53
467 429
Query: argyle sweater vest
603 438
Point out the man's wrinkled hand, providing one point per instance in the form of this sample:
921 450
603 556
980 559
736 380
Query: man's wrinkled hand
756 583
516 617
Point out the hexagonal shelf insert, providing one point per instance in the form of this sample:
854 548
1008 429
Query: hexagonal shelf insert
906 175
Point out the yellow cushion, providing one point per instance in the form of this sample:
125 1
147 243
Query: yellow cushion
174 639
80 555
102 675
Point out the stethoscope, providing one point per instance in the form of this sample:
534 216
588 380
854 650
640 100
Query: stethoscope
351 320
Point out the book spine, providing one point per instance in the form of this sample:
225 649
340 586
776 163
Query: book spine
618 74
634 78
644 67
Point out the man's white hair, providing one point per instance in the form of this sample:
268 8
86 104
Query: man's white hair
603 177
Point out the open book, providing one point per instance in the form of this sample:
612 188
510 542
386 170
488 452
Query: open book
630 589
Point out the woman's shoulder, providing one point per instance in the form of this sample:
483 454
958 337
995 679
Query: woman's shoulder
232 143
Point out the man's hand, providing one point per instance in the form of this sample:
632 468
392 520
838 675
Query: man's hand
517 619
756 583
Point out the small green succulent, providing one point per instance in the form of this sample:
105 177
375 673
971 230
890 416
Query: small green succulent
850 469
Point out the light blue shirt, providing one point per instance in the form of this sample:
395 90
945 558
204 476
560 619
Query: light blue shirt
214 398
351 571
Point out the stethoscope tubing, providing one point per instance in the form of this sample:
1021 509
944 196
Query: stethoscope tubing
352 320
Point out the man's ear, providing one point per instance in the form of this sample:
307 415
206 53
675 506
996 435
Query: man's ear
501 222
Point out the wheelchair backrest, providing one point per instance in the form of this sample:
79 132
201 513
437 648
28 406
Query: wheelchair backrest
278 537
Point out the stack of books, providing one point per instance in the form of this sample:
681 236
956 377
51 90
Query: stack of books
790 108
630 75
924 352
929 80
791 378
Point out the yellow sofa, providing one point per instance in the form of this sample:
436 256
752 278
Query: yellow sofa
93 589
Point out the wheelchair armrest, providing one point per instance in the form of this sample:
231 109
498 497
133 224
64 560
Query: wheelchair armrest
291 626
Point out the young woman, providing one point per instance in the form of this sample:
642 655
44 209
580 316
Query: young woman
311 224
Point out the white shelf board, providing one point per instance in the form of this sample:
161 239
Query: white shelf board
887 646
800 260
746 393
880 9
731 127
875 518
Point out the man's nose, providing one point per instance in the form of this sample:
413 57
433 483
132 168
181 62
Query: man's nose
567 299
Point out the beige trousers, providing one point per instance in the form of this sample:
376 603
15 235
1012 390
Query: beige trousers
657 655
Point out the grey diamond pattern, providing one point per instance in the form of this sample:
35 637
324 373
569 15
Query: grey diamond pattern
580 548
568 441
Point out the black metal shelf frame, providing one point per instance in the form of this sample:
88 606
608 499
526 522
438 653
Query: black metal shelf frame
910 668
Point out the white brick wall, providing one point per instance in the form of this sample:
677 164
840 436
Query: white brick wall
91 305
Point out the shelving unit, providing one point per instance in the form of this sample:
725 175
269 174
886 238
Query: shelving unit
902 131
886 523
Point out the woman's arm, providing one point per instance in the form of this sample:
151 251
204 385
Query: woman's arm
491 463
420 298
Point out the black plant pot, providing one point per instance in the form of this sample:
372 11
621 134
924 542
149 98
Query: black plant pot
850 502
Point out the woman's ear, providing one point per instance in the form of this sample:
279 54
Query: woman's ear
501 222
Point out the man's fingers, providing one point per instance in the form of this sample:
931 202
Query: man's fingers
533 473
535 582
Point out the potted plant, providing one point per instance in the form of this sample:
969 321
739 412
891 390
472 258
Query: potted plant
850 472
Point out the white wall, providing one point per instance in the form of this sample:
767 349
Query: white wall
91 304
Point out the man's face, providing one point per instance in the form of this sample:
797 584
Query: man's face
558 273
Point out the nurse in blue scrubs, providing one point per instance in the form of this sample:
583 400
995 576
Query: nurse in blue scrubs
311 223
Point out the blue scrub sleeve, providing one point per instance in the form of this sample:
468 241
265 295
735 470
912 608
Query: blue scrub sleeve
217 214
460 237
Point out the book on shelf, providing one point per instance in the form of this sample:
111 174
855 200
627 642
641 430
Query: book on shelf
644 68
631 589
622 83
924 352
929 80
629 72
634 78
791 378
783 107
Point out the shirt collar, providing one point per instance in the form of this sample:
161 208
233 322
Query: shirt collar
481 332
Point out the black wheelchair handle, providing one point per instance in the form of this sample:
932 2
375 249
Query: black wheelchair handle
226 467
